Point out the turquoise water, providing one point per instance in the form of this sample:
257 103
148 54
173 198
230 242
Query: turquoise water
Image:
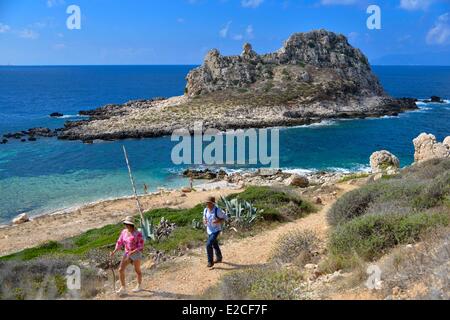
49 174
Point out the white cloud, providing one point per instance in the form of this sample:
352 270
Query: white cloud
353 36
251 3
224 31
440 33
59 46
337 2
4 28
249 32
238 37
28 34
53 3
415 4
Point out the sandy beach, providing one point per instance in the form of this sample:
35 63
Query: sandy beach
71 222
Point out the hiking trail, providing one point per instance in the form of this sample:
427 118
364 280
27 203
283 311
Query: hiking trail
187 277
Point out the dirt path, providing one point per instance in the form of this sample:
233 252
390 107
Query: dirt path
73 222
187 276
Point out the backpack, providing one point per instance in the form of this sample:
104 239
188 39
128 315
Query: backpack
215 214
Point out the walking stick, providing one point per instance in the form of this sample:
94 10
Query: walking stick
111 265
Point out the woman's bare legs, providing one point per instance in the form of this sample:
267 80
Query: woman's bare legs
137 268
123 266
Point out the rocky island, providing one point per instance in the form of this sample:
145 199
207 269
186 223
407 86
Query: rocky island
315 75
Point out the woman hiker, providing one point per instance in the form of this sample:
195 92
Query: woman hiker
133 242
213 218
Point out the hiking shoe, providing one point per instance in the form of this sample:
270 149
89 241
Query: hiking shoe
138 288
210 264
122 291
218 260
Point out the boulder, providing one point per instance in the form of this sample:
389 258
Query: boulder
384 162
296 180
318 200
436 99
264 172
427 148
21 218
447 141
200 174
56 115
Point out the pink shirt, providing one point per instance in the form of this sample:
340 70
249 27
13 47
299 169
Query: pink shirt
131 241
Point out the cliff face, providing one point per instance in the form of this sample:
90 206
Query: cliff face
305 58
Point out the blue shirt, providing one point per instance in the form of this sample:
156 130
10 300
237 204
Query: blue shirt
210 217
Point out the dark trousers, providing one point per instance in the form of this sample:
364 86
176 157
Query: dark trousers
211 244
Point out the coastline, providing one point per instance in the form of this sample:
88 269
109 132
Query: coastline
68 222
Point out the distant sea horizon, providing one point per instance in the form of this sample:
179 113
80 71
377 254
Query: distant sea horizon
49 174
189 64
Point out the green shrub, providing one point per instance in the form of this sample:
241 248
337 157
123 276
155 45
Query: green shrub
353 204
296 246
180 238
45 279
427 170
32 253
354 176
404 192
274 204
370 236
435 192
259 283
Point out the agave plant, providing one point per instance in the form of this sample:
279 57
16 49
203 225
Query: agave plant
148 230
156 233
242 213
196 224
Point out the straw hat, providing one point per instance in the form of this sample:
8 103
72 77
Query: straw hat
211 199
129 220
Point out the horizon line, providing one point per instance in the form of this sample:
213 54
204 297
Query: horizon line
187 64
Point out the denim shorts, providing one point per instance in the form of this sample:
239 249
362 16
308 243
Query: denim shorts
135 256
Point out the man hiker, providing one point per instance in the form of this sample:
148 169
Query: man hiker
213 218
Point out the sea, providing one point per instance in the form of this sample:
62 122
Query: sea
49 175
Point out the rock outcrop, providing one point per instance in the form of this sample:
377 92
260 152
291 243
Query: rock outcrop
299 58
315 75
384 162
297 181
427 148
22 218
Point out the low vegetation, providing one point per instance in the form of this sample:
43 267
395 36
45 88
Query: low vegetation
371 236
295 247
354 176
383 214
45 279
257 283
373 222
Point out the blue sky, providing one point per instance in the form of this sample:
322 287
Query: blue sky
34 32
